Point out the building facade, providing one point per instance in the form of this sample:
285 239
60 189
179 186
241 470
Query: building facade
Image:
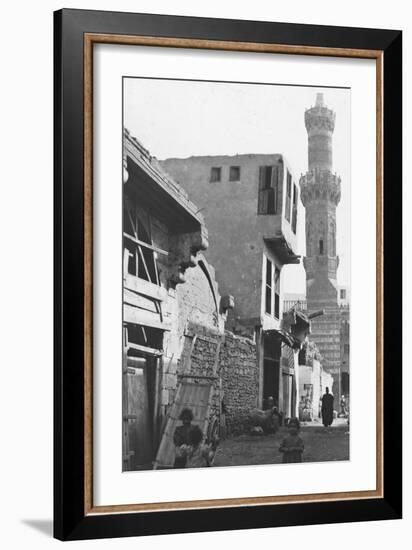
345 352
250 205
320 195
313 381
169 295
176 352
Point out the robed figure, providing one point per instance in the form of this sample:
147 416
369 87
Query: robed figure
327 408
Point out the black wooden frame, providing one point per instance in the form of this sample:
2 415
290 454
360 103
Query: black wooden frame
70 521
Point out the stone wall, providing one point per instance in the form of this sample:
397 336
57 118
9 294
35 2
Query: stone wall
200 358
239 380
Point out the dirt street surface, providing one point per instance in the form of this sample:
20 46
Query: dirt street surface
321 445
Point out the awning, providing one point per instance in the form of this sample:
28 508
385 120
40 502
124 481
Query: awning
282 249
285 336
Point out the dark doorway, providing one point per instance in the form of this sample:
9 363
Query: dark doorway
140 409
271 363
345 384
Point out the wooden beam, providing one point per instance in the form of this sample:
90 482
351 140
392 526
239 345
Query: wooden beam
145 349
198 376
143 317
146 245
141 286
144 265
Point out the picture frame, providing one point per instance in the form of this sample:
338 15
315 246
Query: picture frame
75 34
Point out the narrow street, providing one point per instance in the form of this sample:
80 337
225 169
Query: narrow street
321 444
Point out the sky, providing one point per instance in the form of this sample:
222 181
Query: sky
175 118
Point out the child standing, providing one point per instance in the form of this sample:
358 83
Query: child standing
292 446
181 437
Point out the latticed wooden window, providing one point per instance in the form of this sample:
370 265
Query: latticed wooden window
277 292
215 174
268 290
268 190
139 252
288 196
295 209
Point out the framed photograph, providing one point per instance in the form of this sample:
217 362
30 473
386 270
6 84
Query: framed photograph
227 274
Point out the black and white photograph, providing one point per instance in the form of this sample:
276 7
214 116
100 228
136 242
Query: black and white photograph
236 274
212 263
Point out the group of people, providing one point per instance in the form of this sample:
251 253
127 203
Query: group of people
192 452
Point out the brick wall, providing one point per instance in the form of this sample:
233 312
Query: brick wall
239 379
200 357
197 345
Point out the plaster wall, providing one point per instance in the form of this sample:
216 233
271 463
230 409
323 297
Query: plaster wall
236 231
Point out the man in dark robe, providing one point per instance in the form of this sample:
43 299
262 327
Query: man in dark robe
327 408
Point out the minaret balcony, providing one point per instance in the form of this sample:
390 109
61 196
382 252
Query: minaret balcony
319 117
320 185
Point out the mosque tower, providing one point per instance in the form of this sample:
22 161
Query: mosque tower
320 195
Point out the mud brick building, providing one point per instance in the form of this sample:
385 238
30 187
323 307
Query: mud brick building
250 205
240 381
175 350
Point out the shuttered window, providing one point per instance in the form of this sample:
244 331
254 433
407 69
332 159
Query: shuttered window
268 190
215 174
295 209
234 173
277 292
268 293
288 196
272 289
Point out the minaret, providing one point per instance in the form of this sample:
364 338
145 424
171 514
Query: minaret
320 194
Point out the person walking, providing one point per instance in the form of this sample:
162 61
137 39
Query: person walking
327 409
